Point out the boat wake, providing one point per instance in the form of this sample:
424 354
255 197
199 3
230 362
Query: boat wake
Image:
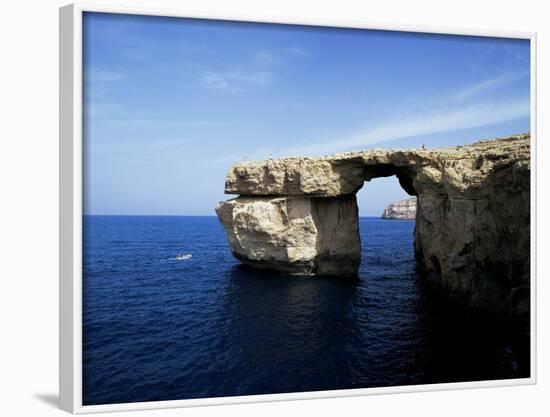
183 257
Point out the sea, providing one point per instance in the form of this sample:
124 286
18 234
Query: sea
160 328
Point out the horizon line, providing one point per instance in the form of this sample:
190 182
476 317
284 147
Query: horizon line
169 215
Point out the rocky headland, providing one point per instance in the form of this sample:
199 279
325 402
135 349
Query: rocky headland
401 210
299 215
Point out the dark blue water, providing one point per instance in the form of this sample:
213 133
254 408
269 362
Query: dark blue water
155 328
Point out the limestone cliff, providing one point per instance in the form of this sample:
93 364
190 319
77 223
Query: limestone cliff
296 235
472 233
401 210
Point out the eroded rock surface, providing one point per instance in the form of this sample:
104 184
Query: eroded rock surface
472 231
401 210
297 235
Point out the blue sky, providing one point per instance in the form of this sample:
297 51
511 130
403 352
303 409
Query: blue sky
170 104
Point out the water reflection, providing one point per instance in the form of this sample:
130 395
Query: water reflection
290 330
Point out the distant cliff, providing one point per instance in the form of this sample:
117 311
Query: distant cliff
401 210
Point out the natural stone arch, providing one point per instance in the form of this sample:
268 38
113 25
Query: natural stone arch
299 215
404 175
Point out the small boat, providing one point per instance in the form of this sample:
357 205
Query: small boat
183 257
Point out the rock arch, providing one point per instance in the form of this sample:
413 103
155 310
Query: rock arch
299 215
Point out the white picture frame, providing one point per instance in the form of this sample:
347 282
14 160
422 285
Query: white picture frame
71 210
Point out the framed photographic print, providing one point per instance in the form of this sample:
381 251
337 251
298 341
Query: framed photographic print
258 209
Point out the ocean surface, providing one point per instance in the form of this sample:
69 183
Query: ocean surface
157 328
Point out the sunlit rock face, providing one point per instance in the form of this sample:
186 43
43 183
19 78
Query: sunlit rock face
322 177
401 210
472 235
296 235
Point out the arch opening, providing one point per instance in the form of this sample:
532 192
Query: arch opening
404 175
386 225
380 191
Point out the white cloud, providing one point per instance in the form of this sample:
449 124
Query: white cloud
488 85
459 110
295 50
103 76
157 149
425 123
236 80
266 59
99 110
111 114
260 74
400 127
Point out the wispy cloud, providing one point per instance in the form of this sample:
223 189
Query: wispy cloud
99 83
489 85
112 114
160 148
425 123
260 72
266 59
473 107
100 110
430 121
295 50
236 80
157 124
103 76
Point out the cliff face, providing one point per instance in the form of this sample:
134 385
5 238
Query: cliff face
401 210
472 233
295 235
